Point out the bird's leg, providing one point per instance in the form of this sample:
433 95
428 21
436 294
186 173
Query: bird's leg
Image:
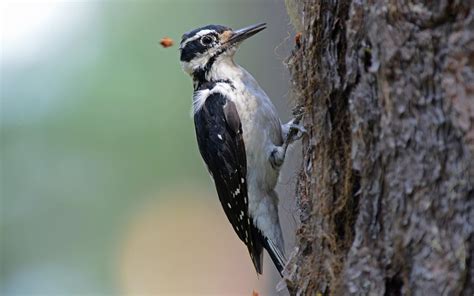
291 131
277 156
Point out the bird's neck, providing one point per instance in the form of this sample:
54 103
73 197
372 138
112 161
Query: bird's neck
221 69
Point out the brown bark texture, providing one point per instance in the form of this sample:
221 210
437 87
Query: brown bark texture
385 194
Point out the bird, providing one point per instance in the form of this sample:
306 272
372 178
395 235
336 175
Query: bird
240 137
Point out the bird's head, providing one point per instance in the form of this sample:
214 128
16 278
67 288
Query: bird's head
202 47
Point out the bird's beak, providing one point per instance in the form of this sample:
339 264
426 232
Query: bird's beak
244 33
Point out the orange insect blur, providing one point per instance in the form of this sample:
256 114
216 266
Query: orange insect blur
166 42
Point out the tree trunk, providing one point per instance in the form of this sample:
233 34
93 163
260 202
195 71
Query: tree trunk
385 194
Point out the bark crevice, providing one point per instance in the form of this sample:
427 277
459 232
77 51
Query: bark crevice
385 192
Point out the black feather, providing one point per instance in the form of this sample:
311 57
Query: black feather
219 136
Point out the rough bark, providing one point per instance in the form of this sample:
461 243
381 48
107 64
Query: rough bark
385 194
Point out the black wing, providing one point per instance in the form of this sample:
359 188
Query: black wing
219 136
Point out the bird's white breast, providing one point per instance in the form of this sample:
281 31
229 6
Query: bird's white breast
261 129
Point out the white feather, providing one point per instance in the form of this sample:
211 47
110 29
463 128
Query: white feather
200 96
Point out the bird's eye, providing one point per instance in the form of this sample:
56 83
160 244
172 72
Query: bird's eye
206 40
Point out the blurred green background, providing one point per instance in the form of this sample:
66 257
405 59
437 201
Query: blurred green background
103 191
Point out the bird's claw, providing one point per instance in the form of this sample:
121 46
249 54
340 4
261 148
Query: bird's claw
300 132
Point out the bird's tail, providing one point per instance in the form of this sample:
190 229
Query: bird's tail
256 249
276 255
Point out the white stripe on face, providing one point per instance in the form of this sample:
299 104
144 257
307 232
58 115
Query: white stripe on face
196 36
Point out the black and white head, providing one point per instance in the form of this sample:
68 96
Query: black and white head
202 47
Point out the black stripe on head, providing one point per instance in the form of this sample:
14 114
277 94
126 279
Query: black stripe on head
191 50
190 47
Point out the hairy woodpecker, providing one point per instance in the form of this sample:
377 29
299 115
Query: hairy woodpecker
239 135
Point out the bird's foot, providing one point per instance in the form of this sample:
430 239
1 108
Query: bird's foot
300 131
293 131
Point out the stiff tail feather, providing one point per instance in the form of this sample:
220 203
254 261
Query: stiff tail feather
256 251
276 255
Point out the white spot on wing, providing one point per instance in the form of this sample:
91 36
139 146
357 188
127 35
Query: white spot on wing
236 192
219 136
228 204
